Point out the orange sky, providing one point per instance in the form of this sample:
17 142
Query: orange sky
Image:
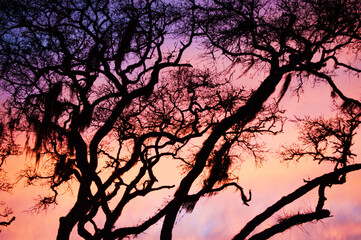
222 216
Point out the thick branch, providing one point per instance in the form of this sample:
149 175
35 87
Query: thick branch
290 222
244 115
4 223
326 179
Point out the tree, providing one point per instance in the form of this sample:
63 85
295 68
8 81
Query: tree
7 148
102 91
74 69
285 40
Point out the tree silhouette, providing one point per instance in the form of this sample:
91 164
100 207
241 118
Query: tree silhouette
103 92
7 148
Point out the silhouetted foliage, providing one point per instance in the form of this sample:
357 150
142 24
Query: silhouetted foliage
7 148
105 97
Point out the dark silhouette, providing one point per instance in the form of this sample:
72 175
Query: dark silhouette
103 91
7 148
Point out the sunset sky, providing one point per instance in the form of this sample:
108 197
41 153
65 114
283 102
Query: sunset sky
223 215
106 89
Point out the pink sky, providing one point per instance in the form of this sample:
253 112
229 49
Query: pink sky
222 216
